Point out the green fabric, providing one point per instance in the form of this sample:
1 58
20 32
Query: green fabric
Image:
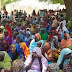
4 23
70 47
69 24
6 63
64 15
45 35
71 34
42 14
22 23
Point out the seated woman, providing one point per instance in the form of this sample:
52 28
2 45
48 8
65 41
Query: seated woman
44 35
55 47
34 42
47 52
6 36
66 41
17 66
68 67
36 62
13 54
5 61
64 57
14 34
21 47
28 37
5 46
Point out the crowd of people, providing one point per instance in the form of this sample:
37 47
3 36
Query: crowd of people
40 42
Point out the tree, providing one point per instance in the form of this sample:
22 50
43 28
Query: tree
57 1
68 4
5 2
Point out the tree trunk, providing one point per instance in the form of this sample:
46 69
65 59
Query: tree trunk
68 4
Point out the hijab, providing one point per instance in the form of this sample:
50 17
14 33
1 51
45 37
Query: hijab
38 36
45 35
66 43
43 59
63 52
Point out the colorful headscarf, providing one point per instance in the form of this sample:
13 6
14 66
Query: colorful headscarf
45 35
66 43
21 36
38 36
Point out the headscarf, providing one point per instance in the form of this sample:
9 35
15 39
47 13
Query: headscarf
56 38
27 39
7 37
17 65
38 51
33 44
48 49
43 59
38 36
63 52
25 49
31 29
66 43
28 32
21 36
45 35
19 50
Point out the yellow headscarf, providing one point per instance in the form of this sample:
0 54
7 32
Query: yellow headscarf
31 29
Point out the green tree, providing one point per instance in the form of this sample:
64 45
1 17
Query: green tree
57 1
4 2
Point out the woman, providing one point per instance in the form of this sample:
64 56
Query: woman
28 37
66 41
61 29
21 46
36 62
53 33
9 28
5 61
34 42
6 36
68 67
5 45
15 33
55 47
47 52
13 54
17 66
64 57
44 35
